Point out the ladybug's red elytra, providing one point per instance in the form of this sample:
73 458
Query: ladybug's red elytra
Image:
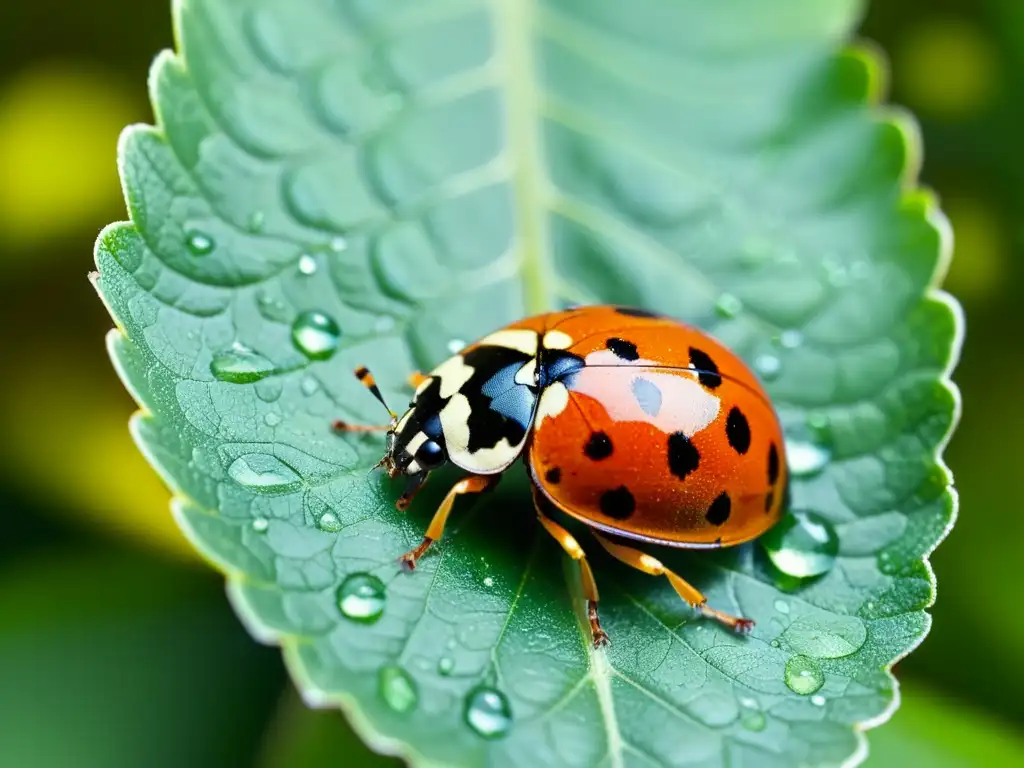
637 425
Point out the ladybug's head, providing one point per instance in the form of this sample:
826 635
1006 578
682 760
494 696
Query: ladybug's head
414 446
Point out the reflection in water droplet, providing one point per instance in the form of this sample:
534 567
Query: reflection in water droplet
806 459
768 366
802 544
397 689
263 473
791 339
818 700
782 606
199 243
751 716
240 365
338 244
271 419
488 712
803 675
361 597
315 334
329 522
260 524
307 264
445 666
456 345
728 305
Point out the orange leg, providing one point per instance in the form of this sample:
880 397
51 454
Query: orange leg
575 551
689 593
416 378
471 484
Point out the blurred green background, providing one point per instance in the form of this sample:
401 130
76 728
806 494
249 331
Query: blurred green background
118 647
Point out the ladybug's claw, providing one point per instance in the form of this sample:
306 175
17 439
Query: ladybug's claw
408 560
600 636
743 626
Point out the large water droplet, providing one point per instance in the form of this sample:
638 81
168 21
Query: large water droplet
361 597
445 666
397 689
728 305
263 473
315 334
199 243
240 365
307 264
806 459
768 366
329 522
751 715
803 675
488 712
802 544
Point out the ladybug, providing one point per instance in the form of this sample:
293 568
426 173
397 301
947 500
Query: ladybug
637 425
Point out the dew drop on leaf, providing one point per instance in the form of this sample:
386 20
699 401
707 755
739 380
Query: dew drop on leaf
361 597
803 675
271 419
728 305
260 524
263 473
445 666
768 366
456 345
488 712
255 221
271 307
329 522
791 339
315 334
338 244
802 544
751 716
805 458
307 264
782 606
397 689
309 386
240 365
199 243
818 700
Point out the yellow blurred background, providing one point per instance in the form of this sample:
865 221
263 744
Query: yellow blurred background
114 635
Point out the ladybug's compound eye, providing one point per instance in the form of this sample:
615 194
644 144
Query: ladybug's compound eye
430 455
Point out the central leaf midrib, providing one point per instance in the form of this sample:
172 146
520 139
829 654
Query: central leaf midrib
514 26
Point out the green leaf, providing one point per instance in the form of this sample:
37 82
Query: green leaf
423 172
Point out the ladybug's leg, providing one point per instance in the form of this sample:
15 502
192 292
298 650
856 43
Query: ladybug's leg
575 551
344 426
471 484
687 591
416 378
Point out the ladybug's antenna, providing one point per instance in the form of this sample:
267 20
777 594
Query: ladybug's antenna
367 380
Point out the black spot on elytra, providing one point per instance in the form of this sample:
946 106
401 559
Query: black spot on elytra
769 500
618 503
624 350
636 312
708 370
719 510
773 464
683 456
598 447
737 429
553 475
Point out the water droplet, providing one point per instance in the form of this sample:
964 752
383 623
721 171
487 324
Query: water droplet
818 700
272 308
329 522
397 689
264 473
269 390
240 365
803 675
338 244
445 666
886 564
271 419
751 716
728 305
315 334
488 712
806 459
782 606
260 524
307 264
256 221
802 544
768 366
488 582
791 339
456 345
309 386
199 243
384 324
361 597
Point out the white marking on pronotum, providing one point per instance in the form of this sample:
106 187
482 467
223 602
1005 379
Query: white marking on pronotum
527 375
453 373
519 339
557 340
